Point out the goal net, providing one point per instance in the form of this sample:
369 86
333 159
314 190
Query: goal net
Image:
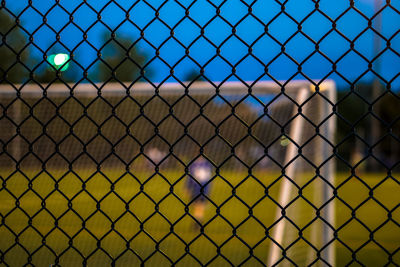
269 145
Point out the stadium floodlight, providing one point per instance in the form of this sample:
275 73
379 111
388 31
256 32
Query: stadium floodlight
284 151
59 61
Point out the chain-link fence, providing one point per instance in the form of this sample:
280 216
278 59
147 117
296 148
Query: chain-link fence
199 133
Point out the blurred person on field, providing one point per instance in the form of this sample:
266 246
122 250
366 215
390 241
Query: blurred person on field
200 173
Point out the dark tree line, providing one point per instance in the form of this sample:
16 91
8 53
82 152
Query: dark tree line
355 121
12 50
120 59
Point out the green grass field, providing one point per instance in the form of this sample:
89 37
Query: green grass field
114 206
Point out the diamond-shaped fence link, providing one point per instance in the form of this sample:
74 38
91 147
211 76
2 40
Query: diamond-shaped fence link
199 133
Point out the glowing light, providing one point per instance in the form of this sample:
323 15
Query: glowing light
59 61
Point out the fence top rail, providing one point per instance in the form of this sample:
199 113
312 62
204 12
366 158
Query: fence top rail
145 88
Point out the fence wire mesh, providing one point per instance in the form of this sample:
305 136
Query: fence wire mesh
123 144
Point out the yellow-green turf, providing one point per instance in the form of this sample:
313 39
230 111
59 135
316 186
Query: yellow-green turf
57 214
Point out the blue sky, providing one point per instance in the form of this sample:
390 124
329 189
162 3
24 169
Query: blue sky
251 32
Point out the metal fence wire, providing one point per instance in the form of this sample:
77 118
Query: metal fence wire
203 132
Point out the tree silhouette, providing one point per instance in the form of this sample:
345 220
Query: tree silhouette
120 60
193 75
13 53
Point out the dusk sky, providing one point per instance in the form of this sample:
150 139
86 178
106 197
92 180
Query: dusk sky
251 31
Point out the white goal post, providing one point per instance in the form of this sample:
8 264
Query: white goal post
325 152
304 109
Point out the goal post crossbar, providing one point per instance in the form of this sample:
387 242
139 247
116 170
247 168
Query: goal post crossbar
144 88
